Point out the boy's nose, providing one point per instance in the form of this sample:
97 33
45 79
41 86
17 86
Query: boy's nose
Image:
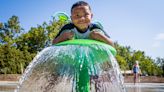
82 18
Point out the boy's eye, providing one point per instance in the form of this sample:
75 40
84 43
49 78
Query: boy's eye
81 15
87 14
77 15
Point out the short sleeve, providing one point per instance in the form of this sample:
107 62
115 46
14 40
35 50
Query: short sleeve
96 27
98 30
65 28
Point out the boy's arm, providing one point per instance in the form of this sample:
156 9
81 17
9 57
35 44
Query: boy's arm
58 39
96 35
63 37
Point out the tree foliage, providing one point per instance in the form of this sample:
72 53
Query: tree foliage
17 49
11 58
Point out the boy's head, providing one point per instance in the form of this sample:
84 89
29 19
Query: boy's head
81 15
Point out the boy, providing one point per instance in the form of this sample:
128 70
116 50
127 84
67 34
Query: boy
81 27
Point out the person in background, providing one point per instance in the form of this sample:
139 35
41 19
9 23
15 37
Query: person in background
136 72
81 26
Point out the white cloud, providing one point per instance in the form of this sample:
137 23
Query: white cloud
156 44
158 40
160 37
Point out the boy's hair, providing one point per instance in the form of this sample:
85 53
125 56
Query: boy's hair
80 3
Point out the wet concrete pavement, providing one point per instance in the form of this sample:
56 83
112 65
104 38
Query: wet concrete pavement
144 87
9 86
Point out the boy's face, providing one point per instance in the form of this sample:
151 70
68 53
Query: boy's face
81 17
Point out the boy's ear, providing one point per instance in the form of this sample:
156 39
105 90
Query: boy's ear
71 17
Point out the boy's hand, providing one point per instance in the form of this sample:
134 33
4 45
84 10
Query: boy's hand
68 35
96 35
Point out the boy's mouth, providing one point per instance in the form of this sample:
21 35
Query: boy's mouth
81 23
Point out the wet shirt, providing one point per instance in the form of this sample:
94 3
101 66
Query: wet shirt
78 34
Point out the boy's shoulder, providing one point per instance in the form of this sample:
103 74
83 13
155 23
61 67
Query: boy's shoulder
95 26
68 26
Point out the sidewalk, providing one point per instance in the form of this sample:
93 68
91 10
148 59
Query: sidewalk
144 85
9 86
8 83
14 83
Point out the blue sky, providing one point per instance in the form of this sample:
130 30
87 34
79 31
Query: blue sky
135 23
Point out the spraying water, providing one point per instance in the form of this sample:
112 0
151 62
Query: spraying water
72 68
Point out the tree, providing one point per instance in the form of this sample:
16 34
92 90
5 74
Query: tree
122 62
9 31
160 63
17 49
11 57
123 55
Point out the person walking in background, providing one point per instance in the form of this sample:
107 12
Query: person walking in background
136 72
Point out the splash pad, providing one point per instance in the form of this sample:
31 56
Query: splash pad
73 66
